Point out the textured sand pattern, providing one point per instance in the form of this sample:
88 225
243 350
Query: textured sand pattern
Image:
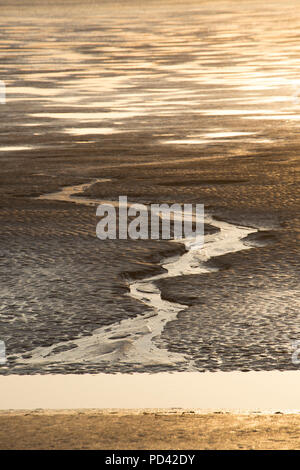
203 107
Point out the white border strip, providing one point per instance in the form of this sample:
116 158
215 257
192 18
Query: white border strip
243 391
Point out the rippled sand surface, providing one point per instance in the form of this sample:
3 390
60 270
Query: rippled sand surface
94 429
165 103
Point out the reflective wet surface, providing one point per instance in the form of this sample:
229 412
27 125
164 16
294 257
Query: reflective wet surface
195 103
221 67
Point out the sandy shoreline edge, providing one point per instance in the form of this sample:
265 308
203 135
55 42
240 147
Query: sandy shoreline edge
146 430
144 411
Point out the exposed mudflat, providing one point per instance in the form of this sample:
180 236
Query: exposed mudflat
197 106
133 341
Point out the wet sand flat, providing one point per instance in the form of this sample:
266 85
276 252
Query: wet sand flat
147 429
201 107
